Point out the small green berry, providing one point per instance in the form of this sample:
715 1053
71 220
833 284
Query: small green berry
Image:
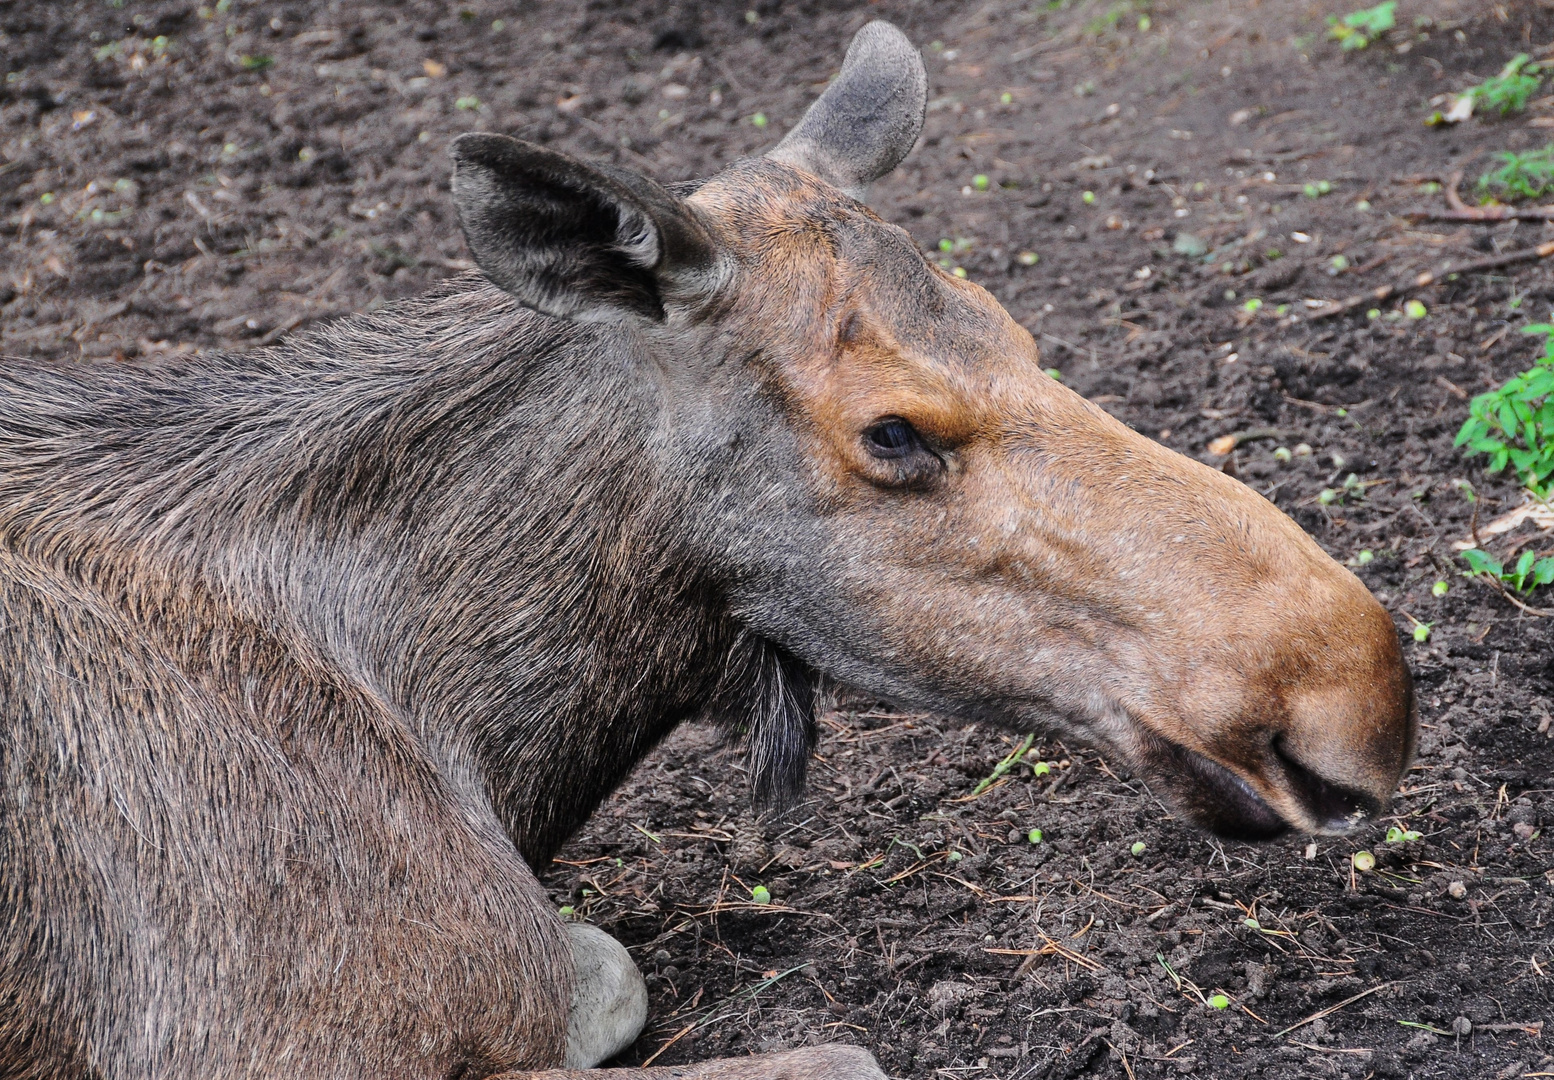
946 244
1219 1001
759 120
1006 98
1282 453
1373 313
1252 306
1034 836
1415 310
566 911
760 895
1365 557
980 181
1422 632
1041 768
1440 588
1137 849
1088 197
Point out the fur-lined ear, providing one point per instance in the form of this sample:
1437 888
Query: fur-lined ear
770 696
588 242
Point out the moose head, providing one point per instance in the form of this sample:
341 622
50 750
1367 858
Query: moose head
893 494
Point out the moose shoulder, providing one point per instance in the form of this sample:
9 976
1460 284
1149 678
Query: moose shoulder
311 654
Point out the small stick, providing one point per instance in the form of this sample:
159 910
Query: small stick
1461 211
1319 1014
1402 288
683 1032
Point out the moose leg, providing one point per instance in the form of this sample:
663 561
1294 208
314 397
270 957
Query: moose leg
609 999
835 1062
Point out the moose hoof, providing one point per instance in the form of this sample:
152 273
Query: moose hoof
609 1006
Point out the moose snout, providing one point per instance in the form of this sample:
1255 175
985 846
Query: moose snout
1318 751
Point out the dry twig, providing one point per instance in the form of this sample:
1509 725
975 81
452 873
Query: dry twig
1402 288
1461 211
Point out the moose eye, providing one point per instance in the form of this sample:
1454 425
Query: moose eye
893 438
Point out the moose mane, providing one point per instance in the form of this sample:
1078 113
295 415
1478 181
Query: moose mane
402 499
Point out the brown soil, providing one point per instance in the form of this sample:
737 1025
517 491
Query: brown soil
196 200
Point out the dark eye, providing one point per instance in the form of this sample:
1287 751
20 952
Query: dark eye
893 438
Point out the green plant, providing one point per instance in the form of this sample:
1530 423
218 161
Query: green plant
760 895
1510 90
1514 423
1396 835
1524 576
255 63
1359 28
1034 836
1520 176
1364 861
1009 762
1219 1001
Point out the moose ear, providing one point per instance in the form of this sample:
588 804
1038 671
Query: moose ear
585 242
868 118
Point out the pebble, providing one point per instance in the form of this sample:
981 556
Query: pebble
1462 1026
1456 890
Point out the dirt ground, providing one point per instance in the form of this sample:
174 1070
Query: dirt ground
178 178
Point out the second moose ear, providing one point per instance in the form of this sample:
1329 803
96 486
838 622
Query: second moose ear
583 242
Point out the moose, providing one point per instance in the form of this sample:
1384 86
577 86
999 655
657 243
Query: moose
312 654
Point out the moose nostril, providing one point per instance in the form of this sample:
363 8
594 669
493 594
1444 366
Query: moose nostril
1332 805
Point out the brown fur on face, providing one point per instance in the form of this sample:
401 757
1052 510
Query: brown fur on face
1044 563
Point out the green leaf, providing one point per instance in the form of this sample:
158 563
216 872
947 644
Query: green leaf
1524 563
1482 562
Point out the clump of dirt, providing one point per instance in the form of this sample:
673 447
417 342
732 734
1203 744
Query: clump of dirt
181 177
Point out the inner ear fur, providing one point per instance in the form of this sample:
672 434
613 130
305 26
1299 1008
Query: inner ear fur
585 242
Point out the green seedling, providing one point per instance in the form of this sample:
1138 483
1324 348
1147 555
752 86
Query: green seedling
1396 835
566 911
1055 373
1514 423
1364 861
1358 29
1137 849
1365 557
1034 836
1252 306
1317 189
1440 588
1219 1001
1520 176
760 895
1353 490
1509 91
954 857
1338 263
255 63
981 182
959 271
1422 631
1524 576
1251 923
1415 310
1009 762
1041 768
1006 98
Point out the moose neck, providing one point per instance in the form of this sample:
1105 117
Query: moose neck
452 505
